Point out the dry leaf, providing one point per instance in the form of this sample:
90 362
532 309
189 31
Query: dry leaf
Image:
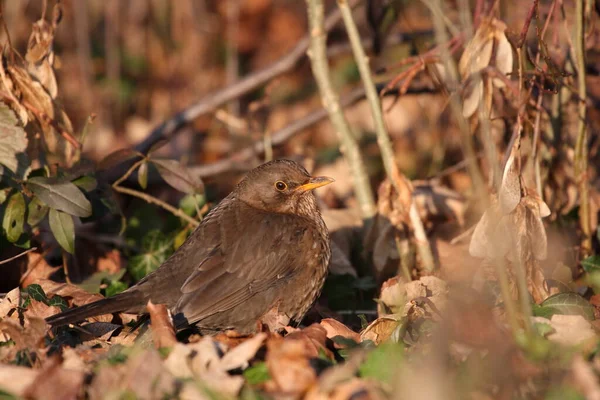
291 373
56 383
163 332
336 328
239 356
15 380
37 268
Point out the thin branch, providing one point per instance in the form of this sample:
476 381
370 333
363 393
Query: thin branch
525 29
349 147
212 101
237 160
383 138
18 255
153 200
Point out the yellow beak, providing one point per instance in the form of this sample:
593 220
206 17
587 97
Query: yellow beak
315 182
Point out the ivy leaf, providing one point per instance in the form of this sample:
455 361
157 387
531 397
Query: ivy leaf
14 217
61 195
115 287
58 301
156 248
36 211
591 264
143 175
13 140
568 303
63 229
37 293
178 176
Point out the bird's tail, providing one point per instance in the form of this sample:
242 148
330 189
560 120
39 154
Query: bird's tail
120 302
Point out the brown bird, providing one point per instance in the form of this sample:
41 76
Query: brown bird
263 252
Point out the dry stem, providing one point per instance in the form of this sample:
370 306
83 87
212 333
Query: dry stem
318 56
383 139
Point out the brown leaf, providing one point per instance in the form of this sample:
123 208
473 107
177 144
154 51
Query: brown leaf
240 355
381 329
9 303
73 294
56 383
202 360
37 268
163 332
287 361
336 328
15 380
314 338
30 336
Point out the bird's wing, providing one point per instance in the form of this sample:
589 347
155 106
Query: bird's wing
247 260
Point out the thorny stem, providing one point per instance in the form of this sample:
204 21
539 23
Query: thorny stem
383 138
153 200
318 56
581 146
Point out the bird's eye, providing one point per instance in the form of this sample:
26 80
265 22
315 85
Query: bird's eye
281 186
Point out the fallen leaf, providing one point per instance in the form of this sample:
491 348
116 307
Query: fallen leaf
56 383
336 328
289 368
15 380
163 332
240 356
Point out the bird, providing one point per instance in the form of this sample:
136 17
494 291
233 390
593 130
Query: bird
260 255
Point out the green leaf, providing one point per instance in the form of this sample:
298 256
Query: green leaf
257 374
61 195
58 301
178 176
37 293
591 264
156 248
383 362
92 284
13 140
569 303
36 211
143 175
86 183
14 217
115 287
63 229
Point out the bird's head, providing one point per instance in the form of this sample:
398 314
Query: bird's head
281 186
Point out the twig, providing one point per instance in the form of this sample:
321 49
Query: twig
236 160
581 146
525 28
211 101
383 138
153 200
349 147
46 118
18 255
